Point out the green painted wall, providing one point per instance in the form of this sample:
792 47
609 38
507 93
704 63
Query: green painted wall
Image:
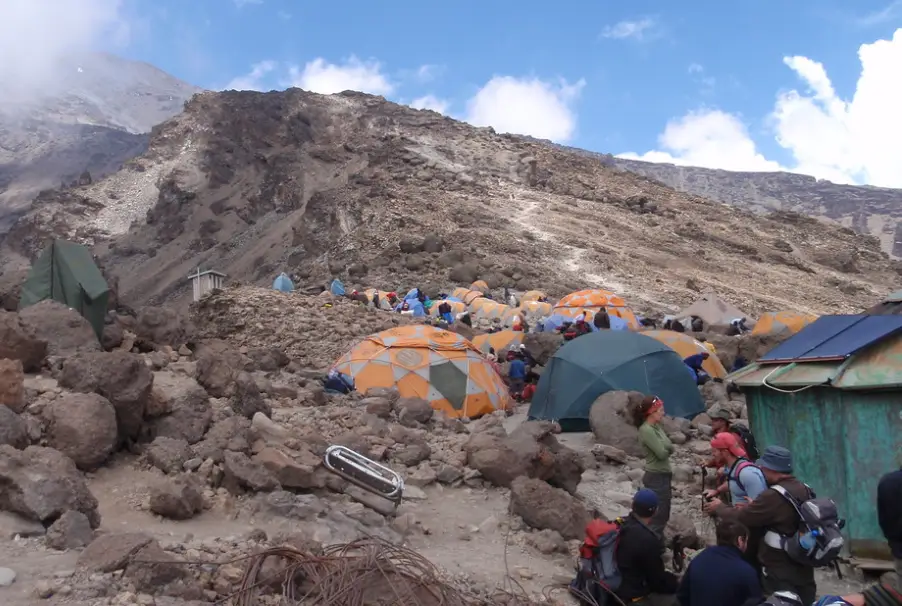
842 442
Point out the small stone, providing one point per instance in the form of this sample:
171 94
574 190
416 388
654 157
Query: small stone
524 573
44 589
7 577
414 493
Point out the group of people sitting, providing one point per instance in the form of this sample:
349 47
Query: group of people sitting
772 531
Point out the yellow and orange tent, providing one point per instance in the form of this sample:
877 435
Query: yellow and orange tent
456 307
499 341
421 361
488 309
686 346
593 300
466 295
776 322
479 285
532 295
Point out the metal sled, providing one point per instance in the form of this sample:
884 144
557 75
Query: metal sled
364 473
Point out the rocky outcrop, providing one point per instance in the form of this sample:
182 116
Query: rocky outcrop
12 385
181 408
13 430
83 427
122 378
543 506
64 329
42 484
176 499
611 421
18 342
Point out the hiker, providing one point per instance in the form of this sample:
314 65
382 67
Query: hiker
528 357
719 575
739 363
658 448
697 324
491 356
889 514
464 318
644 581
695 362
444 311
601 320
720 423
516 374
737 327
777 517
743 481
708 345
532 380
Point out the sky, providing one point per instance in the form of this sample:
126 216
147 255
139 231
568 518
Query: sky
809 86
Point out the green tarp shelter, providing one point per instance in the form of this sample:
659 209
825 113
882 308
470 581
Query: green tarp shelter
66 272
612 360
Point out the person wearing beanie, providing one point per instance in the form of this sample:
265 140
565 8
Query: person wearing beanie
775 517
645 582
658 448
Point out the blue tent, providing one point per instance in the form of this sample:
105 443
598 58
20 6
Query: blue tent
612 360
418 309
337 288
283 283
618 323
554 322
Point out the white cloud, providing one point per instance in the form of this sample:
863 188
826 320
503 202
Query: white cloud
888 13
708 138
36 36
696 68
636 30
319 76
254 79
243 3
845 141
526 107
430 102
427 73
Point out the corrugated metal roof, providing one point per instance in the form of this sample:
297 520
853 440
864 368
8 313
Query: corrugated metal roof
834 338
895 297
877 367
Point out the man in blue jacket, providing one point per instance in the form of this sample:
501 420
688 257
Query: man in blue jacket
889 514
719 575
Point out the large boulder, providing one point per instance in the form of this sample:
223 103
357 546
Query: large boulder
232 433
18 342
122 378
217 369
158 326
543 506
12 385
543 345
71 531
83 427
610 420
42 484
13 430
176 499
301 470
182 407
65 330
168 454
531 451
240 474
246 398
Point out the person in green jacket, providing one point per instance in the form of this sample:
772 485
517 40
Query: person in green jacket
658 448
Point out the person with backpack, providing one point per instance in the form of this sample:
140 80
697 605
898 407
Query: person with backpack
719 574
720 423
597 576
787 513
889 515
643 579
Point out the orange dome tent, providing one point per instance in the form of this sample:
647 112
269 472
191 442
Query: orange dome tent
593 300
782 321
531 311
488 309
532 295
421 361
466 295
500 341
383 297
686 346
479 285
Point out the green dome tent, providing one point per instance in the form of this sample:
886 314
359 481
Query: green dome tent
65 272
612 360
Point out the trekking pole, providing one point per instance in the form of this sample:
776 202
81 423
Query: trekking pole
704 482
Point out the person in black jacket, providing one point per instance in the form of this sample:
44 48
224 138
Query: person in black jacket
889 514
639 558
719 574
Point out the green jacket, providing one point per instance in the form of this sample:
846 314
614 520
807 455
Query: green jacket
657 447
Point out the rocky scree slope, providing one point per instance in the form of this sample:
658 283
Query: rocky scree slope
351 185
91 118
868 210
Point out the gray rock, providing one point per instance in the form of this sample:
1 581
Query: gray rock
12 524
71 531
184 407
168 454
65 330
83 427
111 552
12 385
413 411
609 422
176 499
13 430
240 473
7 577
543 506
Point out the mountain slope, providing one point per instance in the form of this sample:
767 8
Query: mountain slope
383 195
95 115
869 210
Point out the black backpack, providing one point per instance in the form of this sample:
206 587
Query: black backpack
748 441
817 516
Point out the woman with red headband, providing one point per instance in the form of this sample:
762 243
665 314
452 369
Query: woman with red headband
658 448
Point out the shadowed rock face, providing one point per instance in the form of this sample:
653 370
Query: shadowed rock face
83 125
378 194
868 210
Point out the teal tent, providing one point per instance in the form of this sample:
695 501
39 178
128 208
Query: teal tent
612 360
66 272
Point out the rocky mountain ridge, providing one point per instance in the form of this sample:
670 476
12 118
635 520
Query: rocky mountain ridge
868 210
354 186
94 115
